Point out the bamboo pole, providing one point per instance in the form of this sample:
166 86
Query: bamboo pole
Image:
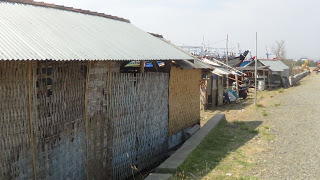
29 63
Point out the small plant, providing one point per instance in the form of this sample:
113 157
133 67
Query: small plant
271 96
267 127
254 131
264 113
260 105
277 105
281 90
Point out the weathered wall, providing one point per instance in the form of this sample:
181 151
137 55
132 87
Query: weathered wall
184 101
296 78
127 120
58 123
129 115
15 147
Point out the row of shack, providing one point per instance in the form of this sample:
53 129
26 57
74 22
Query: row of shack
85 95
270 74
72 109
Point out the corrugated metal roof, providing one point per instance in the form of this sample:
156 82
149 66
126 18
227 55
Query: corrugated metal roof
197 64
222 71
274 65
39 33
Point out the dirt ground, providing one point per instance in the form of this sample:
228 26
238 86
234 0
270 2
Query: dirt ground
287 146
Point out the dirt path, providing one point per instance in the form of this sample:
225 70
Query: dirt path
288 143
296 125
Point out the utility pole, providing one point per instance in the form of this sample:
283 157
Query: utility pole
255 72
227 59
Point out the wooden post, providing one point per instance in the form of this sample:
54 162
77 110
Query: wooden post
227 81
141 66
269 79
155 66
237 85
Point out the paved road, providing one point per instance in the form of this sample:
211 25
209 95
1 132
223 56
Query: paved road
296 124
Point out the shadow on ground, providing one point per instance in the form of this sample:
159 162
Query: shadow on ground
223 140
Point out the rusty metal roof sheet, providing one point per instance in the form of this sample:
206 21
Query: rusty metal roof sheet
33 32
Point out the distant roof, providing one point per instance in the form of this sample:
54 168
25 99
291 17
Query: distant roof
273 65
40 31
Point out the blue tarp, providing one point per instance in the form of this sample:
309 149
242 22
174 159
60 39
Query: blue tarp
244 63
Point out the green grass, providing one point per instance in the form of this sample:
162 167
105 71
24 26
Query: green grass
219 151
277 105
239 122
264 113
267 127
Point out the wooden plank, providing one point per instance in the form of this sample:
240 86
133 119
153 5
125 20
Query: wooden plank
155 66
141 66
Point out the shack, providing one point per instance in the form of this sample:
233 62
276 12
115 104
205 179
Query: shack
67 111
273 73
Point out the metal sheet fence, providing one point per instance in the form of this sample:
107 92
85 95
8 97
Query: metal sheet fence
127 120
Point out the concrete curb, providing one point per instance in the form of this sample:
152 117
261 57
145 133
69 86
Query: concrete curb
175 160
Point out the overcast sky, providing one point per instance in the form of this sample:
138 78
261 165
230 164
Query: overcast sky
186 22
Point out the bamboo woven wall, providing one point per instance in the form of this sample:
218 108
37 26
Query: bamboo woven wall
184 101
15 147
127 120
58 108
136 107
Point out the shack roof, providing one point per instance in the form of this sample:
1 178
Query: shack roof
273 65
41 31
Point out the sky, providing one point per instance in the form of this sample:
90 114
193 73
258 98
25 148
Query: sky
192 22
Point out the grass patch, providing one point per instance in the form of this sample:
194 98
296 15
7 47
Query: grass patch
277 105
219 151
264 113
260 105
254 131
267 127
281 90
267 135
239 122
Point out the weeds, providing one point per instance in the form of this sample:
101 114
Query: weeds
260 105
267 127
264 113
281 90
277 105
219 151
